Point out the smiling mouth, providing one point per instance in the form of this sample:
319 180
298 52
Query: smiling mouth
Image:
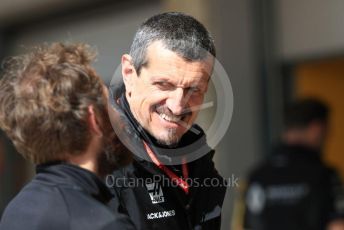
169 118
178 120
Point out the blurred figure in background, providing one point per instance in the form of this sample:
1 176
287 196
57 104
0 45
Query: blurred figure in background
293 188
53 106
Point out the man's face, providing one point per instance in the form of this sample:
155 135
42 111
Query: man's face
166 96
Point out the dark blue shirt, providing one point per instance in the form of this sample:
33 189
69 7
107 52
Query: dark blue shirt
63 196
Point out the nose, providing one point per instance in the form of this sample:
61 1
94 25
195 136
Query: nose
176 101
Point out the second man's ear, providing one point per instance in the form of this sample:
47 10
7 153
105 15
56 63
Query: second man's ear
128 71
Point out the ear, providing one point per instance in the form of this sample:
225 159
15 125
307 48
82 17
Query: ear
128 72
93 122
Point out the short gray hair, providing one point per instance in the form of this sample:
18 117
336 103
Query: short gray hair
179 33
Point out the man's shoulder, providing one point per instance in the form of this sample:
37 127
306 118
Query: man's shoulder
36 206
41 205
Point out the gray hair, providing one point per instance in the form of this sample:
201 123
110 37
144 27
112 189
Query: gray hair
179 33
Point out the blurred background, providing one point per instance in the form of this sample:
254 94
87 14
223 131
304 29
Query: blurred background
274 52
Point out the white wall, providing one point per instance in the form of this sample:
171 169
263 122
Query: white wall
309 27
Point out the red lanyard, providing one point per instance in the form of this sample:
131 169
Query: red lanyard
179 181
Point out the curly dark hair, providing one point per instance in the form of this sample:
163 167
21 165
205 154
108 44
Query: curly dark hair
44 100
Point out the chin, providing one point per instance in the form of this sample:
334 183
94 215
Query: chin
168 138
170 143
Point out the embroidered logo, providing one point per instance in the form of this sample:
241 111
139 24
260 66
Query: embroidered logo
155 193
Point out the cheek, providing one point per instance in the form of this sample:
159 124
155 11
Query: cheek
149 102
141 95
157 97
196 100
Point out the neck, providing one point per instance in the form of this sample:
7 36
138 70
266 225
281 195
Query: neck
85 161
89 158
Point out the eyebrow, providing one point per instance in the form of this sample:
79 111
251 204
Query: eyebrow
159 78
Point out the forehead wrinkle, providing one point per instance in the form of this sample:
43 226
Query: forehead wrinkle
182 81
168 65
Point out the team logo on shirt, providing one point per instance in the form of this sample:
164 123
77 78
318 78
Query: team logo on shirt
155 192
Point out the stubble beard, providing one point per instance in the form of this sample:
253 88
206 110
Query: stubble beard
169 138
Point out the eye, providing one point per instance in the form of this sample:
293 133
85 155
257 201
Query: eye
164 85
194 90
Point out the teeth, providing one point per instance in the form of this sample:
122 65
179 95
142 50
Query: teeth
169 118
